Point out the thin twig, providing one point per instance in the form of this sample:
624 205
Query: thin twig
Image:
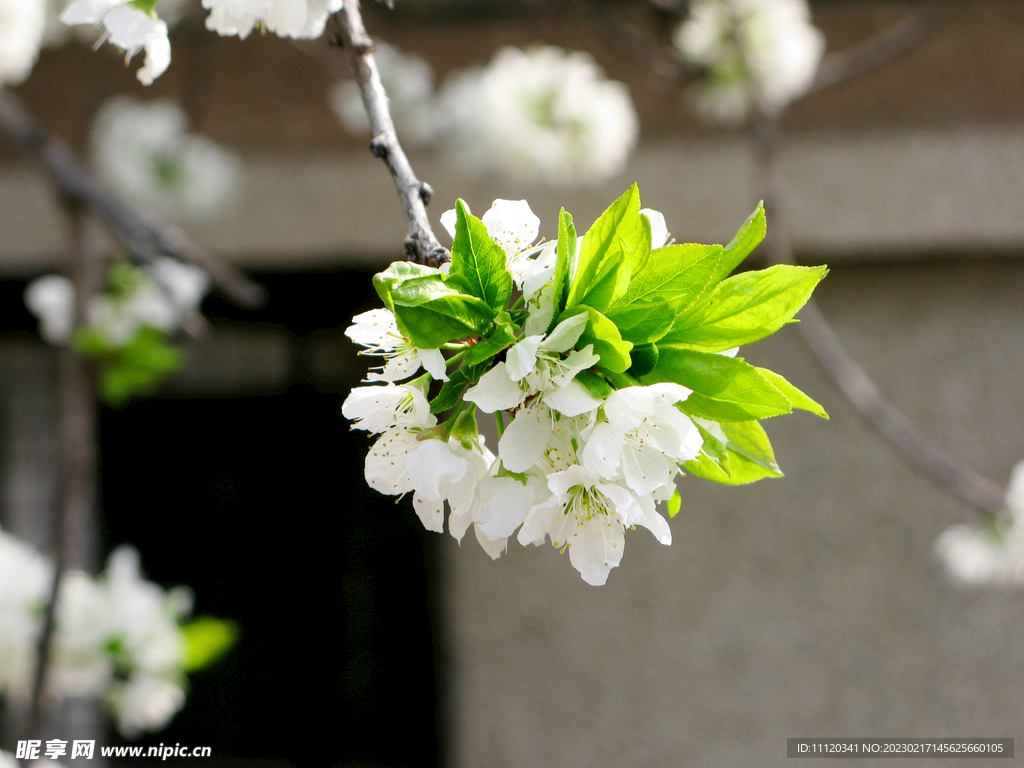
420 243
877 51
143 240
78 461
851 379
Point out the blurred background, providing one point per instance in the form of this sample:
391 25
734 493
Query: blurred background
805 606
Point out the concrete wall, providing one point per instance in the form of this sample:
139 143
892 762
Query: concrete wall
805 606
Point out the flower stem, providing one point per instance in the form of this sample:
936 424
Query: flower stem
500 422
456 357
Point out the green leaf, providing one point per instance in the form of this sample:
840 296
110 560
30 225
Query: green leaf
398 273
503 337
621 380
604 335
746 240
565 253
674 504
135 368
478 263
643 359
206 640
748 440
608 248
459 380
714 449
724 388
522 477
795 396
750 457
672 279
594 384
465 427
745 308
431 314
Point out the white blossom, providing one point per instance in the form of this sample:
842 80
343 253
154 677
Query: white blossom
588 517
757 52
539 114
145 153
991 555
643 439
22 23
158 296
129 28
378 409
286 18
408 81
377 330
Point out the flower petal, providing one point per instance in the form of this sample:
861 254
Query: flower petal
512 225
571 400
525 438
495 391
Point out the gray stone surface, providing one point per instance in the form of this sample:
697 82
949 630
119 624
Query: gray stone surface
807 606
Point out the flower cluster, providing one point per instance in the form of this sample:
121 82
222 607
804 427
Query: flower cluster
611 355
118 637
144 151
133 25
127 325
540 113
994 554
22 23
761 53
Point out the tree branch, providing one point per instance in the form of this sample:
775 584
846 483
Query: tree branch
77 457
420 243
848 376
143 240
877 51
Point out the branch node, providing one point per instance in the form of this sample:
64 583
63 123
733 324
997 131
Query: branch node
426 192
379 146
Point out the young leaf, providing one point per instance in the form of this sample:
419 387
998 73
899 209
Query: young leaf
674 503
398 273
503 337
608 344
478 263
746 240
594 384
602 271
643 359
714 449
794 395
724 388
458 382
750 457
566 253
206 640
672 279
745 308
442 320
748 440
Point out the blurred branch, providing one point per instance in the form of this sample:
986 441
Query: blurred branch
143 240
877 51
420 243
77 451
848 376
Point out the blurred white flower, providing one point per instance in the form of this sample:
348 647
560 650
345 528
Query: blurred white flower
286 18
145 153
22 23
156 296
129 28
538 114
408 81
116 637
992 555
757 52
